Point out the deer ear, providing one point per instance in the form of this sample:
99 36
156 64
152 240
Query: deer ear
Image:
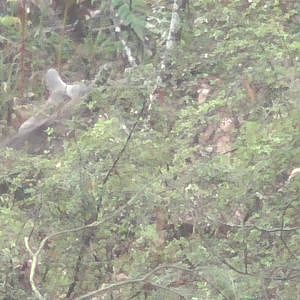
54 82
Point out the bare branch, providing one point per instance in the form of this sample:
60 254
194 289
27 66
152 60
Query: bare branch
170 44
128 52
174 27
35 255
26 242
145 279
120 284
255 227
282 226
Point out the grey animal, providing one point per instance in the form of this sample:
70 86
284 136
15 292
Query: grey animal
60 104
55 84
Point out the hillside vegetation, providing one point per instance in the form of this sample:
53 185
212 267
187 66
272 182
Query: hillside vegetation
175 175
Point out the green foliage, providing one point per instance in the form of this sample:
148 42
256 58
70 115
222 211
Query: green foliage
137 23
150 176
8 21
